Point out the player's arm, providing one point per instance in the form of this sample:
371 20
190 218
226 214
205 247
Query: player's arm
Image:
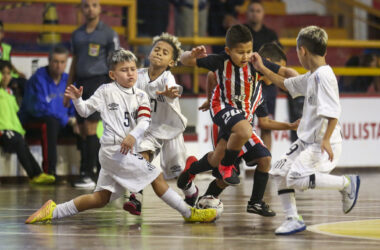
143 117
325 145
269 124
189 58
88 107
210 85
70 79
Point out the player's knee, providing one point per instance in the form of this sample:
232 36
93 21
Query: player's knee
264 164
244 134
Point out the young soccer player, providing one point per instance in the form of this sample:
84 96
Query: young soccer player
234 100
165 131
315 154
11 131
125 113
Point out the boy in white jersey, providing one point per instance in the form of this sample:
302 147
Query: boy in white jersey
315 154
165 131
125 113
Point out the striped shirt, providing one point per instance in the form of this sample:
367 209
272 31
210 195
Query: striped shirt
237 87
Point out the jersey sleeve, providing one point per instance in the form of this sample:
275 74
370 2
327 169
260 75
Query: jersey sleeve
262 110
91 105
271 66
327 96
211 62
143 116
297 86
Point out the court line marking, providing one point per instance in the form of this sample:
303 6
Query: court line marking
314 229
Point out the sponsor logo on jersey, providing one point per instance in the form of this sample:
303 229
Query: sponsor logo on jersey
113 106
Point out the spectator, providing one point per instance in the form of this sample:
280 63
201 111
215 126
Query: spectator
362 83
11 131
255 22
43 101
18 79
345 82
222 15
91 45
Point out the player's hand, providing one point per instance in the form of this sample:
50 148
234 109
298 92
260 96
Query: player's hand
294 125
205 106
326 146
127 144
73 93
257 61
171 92
199 52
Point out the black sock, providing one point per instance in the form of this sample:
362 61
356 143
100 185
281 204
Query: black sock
213 189
260 180
230 157
200 166
83 155
92 147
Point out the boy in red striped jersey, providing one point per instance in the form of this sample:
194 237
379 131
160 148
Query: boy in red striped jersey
236 97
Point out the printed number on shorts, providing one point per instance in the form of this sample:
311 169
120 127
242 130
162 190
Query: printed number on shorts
292 149
127 119
228 115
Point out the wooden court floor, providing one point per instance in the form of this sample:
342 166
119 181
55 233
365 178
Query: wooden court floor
160 227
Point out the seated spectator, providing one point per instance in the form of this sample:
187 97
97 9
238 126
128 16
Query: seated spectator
11 131
18 79
43 101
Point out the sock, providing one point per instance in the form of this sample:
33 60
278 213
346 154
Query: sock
65 209
83 155
288 201
139 196
213 189
260 180
328 181
92 152
175 201
230 157
200 166
190 191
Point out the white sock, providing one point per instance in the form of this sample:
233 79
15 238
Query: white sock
328 181
65 209
191 190
175 201
288 201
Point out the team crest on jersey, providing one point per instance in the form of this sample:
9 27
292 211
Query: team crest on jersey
251 78
113 106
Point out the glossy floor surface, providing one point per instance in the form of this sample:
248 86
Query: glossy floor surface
160 227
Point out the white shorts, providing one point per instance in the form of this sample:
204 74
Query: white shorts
305 159
120 172
172 153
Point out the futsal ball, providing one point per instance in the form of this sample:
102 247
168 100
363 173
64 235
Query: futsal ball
210 201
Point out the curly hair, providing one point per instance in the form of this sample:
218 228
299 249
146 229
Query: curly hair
173 41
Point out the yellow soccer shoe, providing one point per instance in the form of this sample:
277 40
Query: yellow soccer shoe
202 215
44 214
43 179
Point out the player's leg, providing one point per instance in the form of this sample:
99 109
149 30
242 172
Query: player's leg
266 136
170 197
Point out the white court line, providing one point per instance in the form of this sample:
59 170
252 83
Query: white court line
314 229
253 239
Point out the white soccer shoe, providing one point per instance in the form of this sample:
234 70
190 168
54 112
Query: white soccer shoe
350 193
292 225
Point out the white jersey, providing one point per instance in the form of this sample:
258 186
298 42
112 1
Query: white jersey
123 111
167 119
320 89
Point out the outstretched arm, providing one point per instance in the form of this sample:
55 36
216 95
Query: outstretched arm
84 108
269 124
189 58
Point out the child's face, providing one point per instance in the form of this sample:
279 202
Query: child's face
6 77
240 54
161 55
125 74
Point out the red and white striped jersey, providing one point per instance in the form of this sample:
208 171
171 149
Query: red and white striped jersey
238 87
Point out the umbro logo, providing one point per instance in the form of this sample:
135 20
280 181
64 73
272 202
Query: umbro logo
113 106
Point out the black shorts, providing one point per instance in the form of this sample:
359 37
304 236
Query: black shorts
90 85
227 118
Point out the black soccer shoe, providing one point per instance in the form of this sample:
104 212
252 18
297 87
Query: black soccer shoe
190 200
133 206
260 208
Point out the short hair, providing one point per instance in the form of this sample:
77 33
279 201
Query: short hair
238 34
314 39
173 41
272 51
58 50
120 55
5 64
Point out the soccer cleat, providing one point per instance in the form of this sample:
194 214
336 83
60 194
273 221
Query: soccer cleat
190 200
350 193
185 178
133 206
202 215
229 174
43 179
85 182
292 225
260 208
44 214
